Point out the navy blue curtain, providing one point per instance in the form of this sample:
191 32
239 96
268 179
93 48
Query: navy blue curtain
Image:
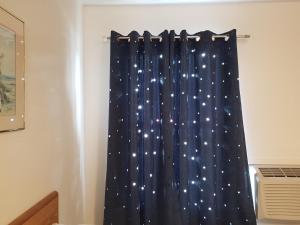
176 146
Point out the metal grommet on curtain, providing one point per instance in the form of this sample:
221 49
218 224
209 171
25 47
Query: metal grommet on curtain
226 37
198 38
128 40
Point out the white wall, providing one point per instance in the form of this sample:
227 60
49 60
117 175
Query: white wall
46 155
269 70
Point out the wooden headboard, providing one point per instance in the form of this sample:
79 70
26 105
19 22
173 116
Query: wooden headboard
45 212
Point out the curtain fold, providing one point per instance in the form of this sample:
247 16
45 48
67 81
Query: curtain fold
176 146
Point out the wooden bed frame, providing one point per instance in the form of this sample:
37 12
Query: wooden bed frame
45 212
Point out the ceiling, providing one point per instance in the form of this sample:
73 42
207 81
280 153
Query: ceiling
155 2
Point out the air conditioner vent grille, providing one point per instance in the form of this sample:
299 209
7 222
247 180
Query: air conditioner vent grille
277 192
280 172
282 200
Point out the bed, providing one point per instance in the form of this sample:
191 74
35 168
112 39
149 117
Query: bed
45 212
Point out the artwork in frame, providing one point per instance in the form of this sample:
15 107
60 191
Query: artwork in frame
12 102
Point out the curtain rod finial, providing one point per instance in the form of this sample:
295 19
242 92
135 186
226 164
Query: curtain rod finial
105 38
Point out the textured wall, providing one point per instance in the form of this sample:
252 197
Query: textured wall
46 155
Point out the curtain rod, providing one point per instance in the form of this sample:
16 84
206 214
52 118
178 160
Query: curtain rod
196 37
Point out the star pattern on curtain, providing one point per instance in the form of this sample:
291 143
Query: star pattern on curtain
176 146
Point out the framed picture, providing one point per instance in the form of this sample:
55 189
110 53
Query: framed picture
12 101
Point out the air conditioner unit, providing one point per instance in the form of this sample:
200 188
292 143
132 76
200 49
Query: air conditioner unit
277 192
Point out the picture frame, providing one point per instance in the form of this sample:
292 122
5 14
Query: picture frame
12 69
